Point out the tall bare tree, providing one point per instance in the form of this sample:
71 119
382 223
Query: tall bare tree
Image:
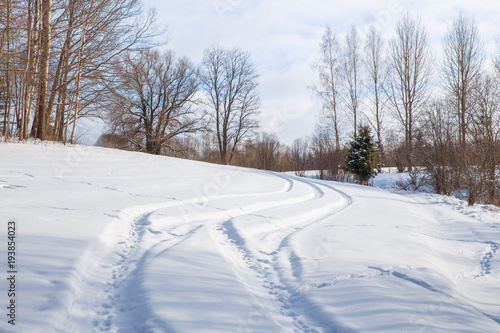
43 112
408 83
108 29
6 70
376 73
153 100
352 76
70 74
328 87
230 81
463 64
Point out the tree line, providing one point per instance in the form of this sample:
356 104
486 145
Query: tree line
65 60
441 115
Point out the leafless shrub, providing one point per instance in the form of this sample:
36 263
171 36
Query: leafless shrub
416 181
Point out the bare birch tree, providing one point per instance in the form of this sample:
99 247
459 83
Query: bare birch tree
352 76
43 113
463 64
327 89
6 70
31 65
376 71
230 81
408 83
86 38
107 29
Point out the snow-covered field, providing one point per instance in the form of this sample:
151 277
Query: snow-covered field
127 242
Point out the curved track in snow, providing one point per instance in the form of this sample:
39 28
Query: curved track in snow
253 234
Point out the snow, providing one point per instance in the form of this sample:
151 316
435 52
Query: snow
389 177
127 242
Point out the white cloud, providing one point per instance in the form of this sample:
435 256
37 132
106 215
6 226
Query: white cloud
283 37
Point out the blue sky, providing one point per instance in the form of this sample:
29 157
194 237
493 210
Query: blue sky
284 36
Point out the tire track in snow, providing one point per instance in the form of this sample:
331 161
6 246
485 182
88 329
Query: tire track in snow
118 304
255 275
107 313
134 312
214 219
130 252
291 273
267 267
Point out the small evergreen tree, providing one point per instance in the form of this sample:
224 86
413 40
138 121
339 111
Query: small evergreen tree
362 156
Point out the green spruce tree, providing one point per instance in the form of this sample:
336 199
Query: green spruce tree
362 156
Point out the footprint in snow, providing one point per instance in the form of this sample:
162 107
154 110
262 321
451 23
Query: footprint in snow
11 187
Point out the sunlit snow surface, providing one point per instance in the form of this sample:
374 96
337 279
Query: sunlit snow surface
128 242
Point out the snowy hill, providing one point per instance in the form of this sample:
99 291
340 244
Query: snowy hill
127 242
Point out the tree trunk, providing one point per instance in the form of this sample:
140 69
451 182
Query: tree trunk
28 74
6 124
42 110
77 87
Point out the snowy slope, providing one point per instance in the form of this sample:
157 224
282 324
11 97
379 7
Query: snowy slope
127 242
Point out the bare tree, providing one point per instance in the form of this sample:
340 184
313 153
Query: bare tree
327 89
320 145
43 113
440 155
352 75
230 81
326 157
69 62
6 71
104 31
408 84
299 157
486 138
462 66
153 99
376 74
471 170
30 65
267 151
